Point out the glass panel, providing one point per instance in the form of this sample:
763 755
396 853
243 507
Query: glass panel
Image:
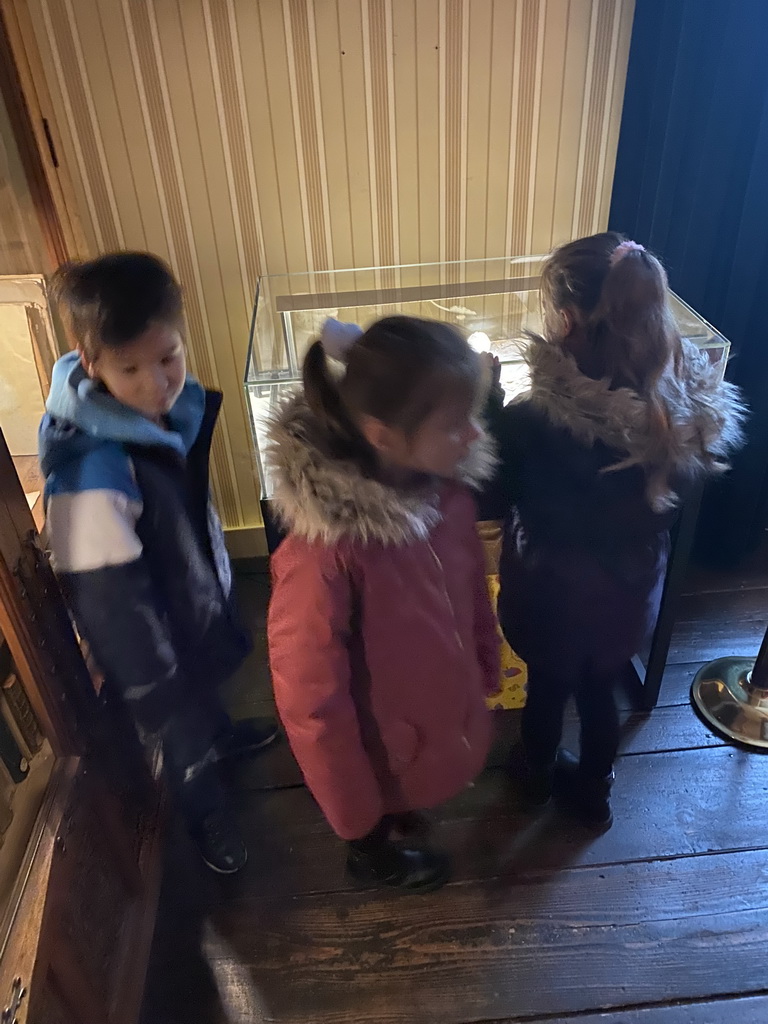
27 352
495 301
21 241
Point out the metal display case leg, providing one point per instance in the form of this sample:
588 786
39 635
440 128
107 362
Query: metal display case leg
272 531
645 682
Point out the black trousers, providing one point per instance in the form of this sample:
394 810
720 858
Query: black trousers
542 721
189 741
189 732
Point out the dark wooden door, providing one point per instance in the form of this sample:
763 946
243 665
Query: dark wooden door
76 928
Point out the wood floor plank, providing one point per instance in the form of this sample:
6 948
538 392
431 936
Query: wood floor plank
752 573
544 922
743 1010
667 728
249 691
665 806
549 944
710 626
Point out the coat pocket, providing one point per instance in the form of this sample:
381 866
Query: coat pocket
401 741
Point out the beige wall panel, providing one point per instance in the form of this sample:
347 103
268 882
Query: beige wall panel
349 15
553 101
426 247
502 59
238 138
574 81
264 173
612 113
330 87
137 196
479 124
298 254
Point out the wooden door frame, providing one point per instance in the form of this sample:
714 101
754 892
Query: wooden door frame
31 131
99 761
30 601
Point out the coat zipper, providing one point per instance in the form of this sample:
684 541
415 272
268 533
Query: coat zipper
447 596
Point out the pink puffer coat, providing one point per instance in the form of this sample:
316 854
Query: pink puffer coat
382 641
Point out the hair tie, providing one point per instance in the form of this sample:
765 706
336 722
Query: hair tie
337 338
623 248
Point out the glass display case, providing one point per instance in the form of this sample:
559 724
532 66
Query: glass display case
495 301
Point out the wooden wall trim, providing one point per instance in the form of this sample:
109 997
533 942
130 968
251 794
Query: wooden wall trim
23 87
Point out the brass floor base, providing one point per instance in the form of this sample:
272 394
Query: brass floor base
728 701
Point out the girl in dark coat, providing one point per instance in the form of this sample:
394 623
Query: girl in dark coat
622 417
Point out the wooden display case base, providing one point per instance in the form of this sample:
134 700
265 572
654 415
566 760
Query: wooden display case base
81 925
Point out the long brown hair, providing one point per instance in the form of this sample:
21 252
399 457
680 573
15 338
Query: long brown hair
399 371
606 301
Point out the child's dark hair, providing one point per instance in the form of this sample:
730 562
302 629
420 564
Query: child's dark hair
399 371
111 300
616 294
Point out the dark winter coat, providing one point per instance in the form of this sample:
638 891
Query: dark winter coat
136 542
585 545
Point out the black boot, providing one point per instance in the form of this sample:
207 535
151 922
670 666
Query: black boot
533 782
409 825
218 840
584 797
378 861
247 736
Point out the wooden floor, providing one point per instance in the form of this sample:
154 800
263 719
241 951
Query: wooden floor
662 920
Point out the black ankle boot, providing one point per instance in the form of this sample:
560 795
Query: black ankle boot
381 862
411 825
533 782
218 840
584 797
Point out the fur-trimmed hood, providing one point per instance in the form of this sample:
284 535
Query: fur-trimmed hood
323 498
707 415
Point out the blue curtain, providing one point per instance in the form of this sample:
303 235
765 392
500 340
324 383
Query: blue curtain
692 184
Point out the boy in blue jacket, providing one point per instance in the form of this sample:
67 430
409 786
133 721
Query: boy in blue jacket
125 449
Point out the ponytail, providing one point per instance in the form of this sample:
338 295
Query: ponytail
324 399
619 293
637 342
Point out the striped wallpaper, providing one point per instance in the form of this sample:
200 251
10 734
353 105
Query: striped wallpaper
237 137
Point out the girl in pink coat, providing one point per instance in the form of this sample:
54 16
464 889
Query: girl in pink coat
383 645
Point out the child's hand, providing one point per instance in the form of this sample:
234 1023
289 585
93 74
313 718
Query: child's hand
493 367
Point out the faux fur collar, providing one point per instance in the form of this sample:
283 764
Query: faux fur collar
322 498
707 414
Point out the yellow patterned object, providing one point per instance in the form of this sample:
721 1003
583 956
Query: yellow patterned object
514 674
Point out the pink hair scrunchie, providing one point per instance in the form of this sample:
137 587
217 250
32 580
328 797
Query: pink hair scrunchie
623 248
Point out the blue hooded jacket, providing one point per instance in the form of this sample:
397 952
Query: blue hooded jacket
136 542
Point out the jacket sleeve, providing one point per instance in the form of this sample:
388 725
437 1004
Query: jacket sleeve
98 558
505 424
309 639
